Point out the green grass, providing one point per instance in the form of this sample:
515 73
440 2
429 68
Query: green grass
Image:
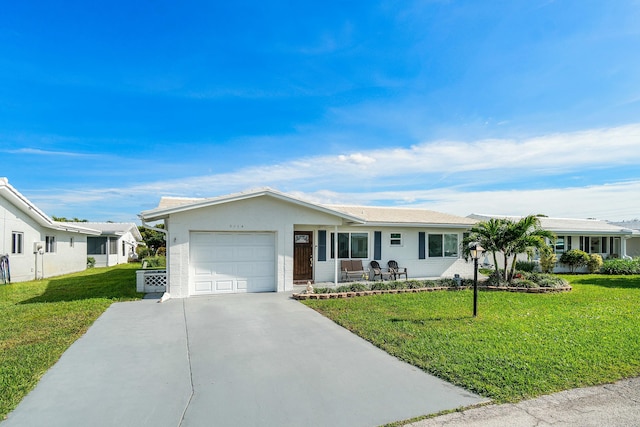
519 346
39 320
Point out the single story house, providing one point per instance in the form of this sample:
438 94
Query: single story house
116 243
36 246
265 240
633 244
589 235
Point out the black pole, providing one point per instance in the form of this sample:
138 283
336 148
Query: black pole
475 287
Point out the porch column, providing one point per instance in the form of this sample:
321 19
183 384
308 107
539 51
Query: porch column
335 255
623 247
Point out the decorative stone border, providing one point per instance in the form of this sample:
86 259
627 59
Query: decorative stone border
333 295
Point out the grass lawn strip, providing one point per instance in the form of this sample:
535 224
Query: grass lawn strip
39 320
520 346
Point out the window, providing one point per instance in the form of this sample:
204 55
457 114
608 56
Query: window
560 248
124 249
451 245
50 244
396 239
113 246
17 240
351 245
443 245
96 245
594 247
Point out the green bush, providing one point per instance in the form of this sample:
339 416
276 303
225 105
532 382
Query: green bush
594 263
352 287
156 261
91 262
574 258
526 266
621 266
548 259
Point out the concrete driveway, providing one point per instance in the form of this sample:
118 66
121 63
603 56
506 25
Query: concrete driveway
229 360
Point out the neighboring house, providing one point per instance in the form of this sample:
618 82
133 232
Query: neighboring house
265 240
589 235
633 244
37 246
116 243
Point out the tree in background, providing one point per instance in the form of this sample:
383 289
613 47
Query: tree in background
153 239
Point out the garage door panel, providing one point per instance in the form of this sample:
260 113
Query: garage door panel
203 286
232 262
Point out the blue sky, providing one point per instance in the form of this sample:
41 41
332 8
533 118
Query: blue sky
509 108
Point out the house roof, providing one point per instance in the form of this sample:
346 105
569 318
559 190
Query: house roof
171 205
378 215
30 210
113 228
359 215
569 225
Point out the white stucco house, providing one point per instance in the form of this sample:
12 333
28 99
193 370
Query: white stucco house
116 243
265 240
633 243
589 235
36 246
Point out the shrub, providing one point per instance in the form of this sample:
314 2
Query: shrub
352 287
156 261
526 266
548 259
91 262
574 258
621 266
162 251
594 263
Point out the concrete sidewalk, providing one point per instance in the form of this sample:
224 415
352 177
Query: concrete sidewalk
611 405
229 360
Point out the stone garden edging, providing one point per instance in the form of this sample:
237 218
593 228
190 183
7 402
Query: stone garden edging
332 295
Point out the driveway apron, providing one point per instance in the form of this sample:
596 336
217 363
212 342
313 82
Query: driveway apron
229 360
265 359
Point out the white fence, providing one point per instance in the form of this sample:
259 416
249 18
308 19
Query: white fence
149 281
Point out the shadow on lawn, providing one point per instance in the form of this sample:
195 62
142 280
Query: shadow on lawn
114 284
625 282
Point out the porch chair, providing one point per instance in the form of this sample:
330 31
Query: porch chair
379 272
353 270
397 271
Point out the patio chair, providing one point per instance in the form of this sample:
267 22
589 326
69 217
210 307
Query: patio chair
379 271
353 270
397 271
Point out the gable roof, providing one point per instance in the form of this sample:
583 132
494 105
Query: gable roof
569 225
30 210
356 215
171 205
113 228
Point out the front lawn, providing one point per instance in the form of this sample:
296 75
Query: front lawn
519 346
39 320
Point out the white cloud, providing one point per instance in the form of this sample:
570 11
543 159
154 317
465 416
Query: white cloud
356 177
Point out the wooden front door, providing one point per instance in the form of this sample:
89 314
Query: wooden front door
303 255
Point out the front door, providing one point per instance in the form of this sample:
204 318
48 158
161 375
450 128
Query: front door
303 255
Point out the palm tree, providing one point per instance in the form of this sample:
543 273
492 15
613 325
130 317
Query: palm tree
491 235
524 236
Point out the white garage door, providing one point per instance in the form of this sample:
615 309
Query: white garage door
232 262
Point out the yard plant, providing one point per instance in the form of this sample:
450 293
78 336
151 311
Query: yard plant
39 320
519 346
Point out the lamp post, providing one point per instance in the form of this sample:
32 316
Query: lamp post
476 252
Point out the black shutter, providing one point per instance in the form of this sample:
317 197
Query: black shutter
377 245
322 245
421 245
